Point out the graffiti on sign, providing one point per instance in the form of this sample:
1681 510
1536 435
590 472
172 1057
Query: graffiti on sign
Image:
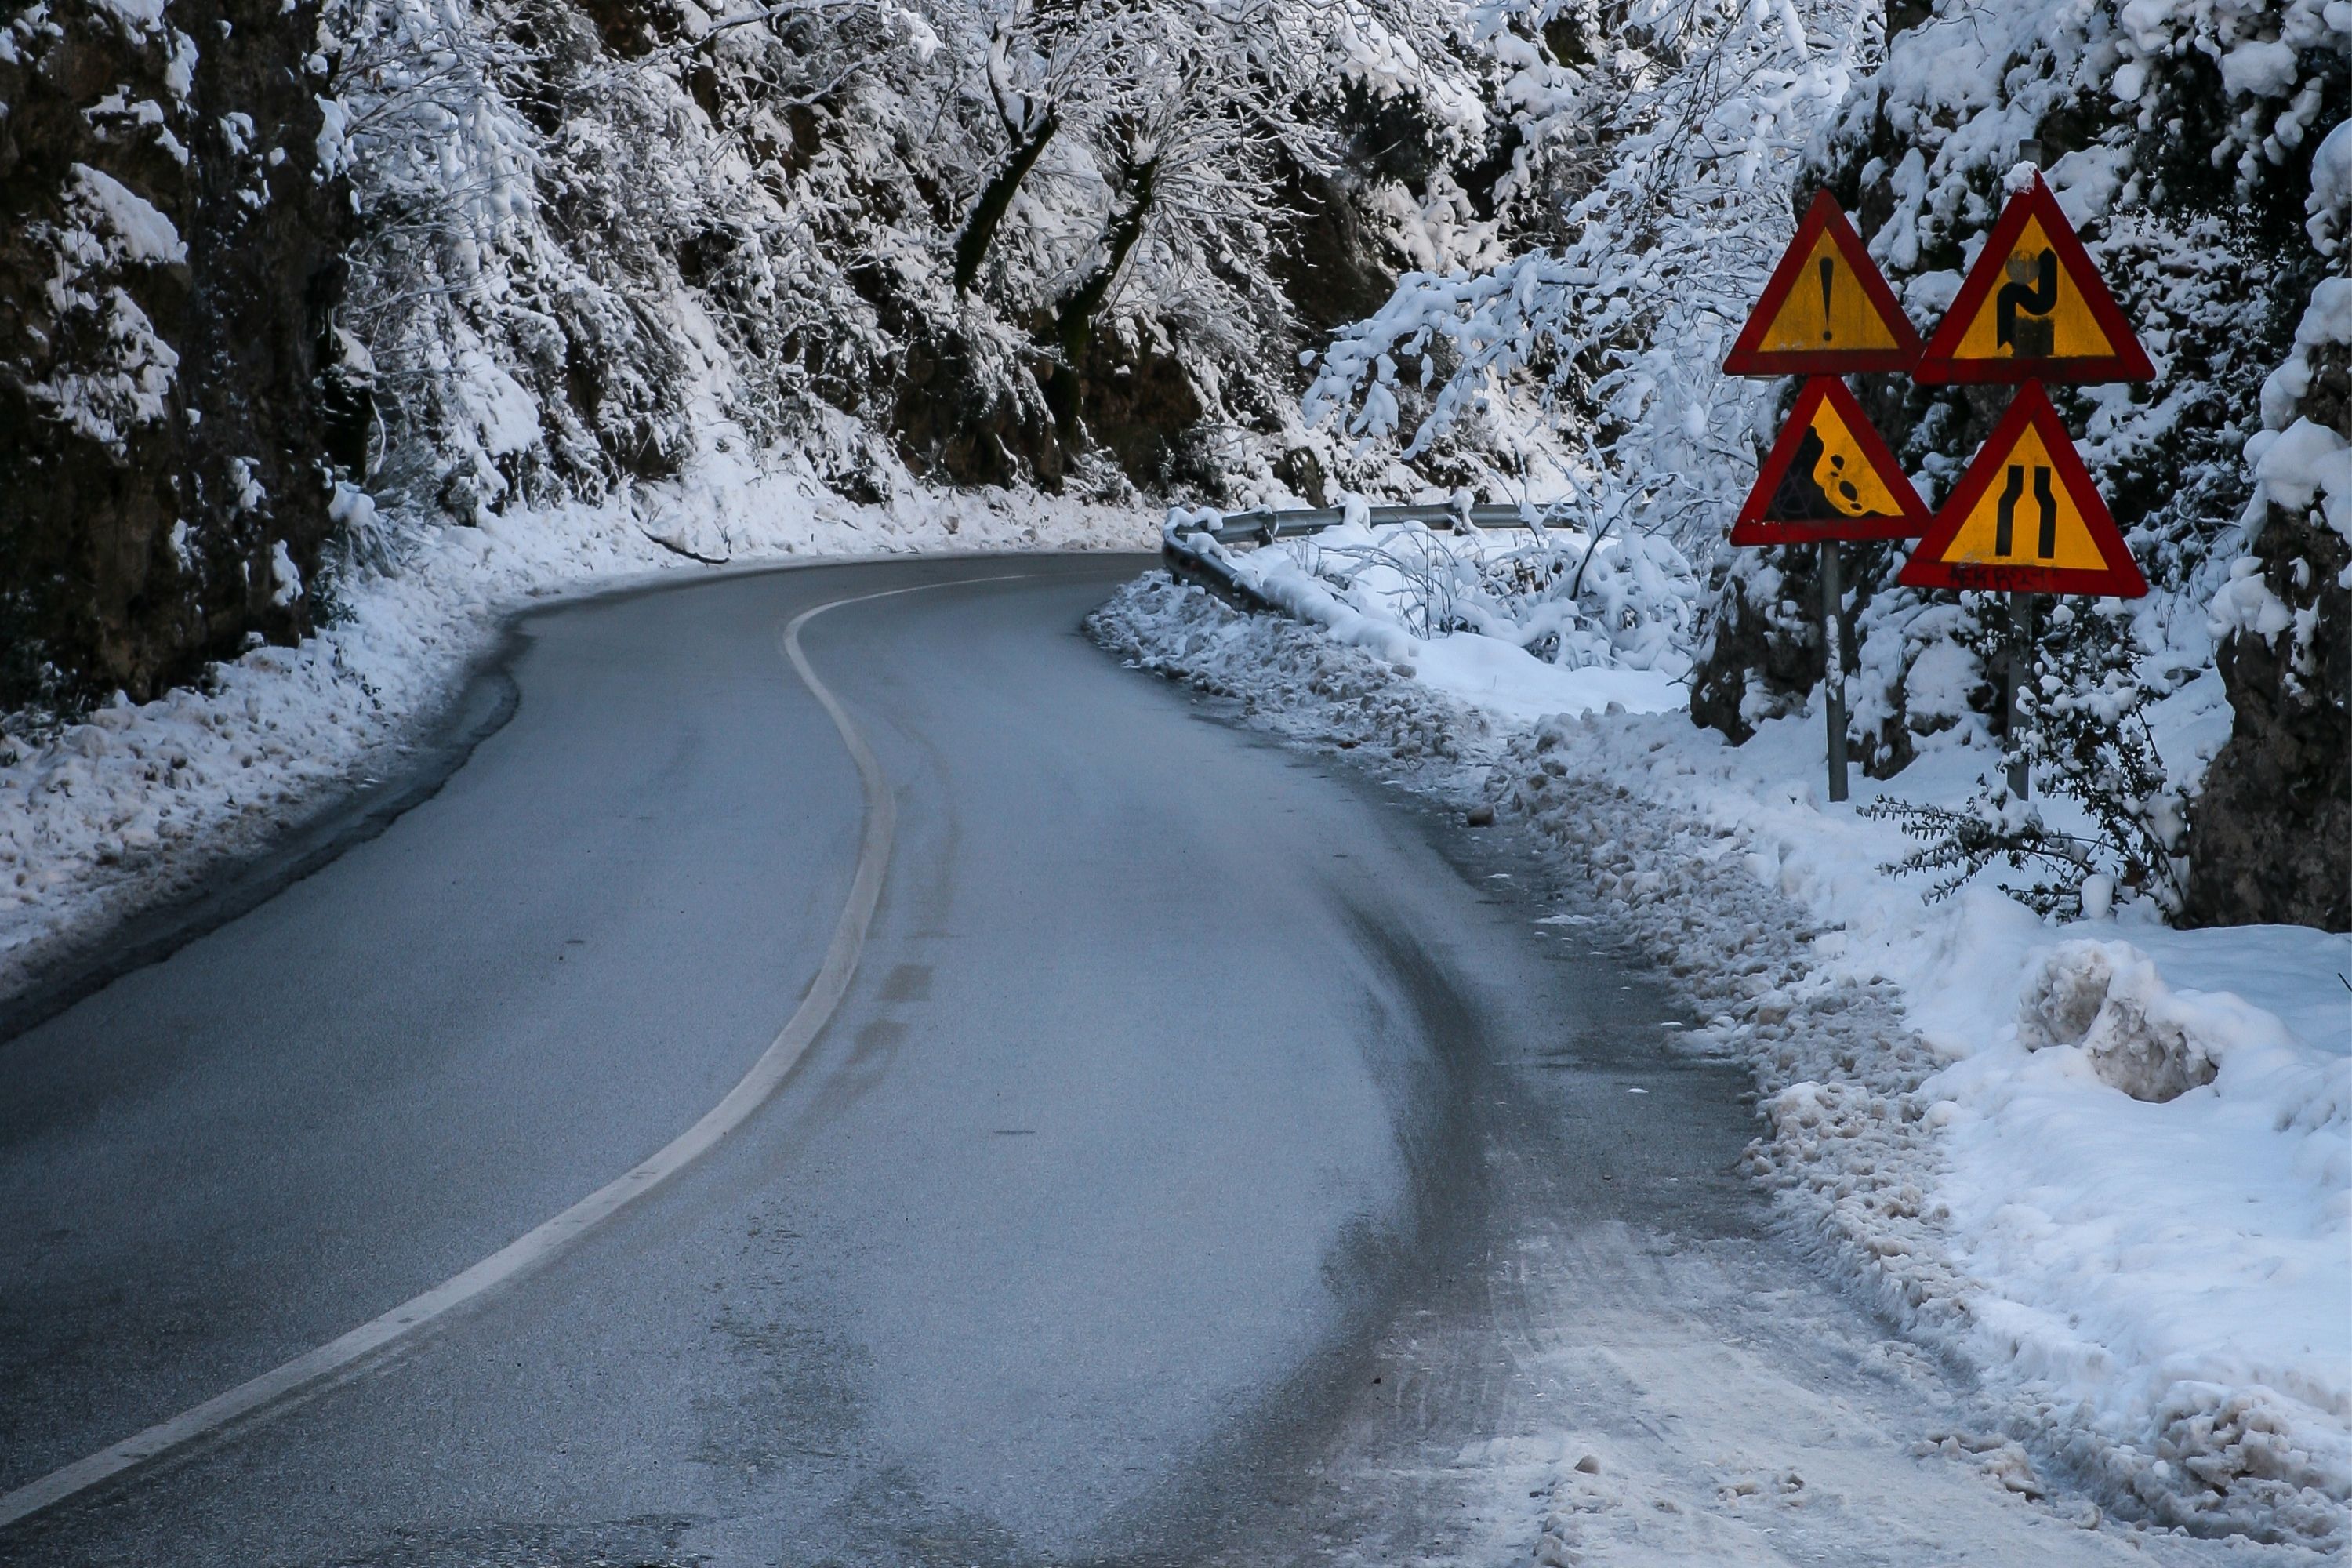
2026 517
2033 307
1826 309
1829 476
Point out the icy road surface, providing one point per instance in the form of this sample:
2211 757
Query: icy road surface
1408 1239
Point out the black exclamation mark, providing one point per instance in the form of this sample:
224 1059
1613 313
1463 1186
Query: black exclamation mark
1829 270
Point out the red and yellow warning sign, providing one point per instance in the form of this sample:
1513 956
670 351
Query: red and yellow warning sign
2026 517
2033 307
1829 476
1826 310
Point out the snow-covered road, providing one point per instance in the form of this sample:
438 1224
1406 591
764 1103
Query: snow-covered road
1212 1161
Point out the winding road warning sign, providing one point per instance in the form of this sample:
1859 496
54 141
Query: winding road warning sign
2033 307
2026 517
1826 310
1829 476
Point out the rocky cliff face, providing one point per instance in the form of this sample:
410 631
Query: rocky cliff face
166 269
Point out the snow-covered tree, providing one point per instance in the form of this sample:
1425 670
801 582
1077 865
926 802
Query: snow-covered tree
1656 146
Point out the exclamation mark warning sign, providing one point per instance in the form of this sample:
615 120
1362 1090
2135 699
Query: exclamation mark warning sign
1826 310
1835 315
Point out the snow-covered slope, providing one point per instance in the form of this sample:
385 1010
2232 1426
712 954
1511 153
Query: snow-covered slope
481 259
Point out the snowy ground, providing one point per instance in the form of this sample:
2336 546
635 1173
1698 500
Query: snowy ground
130 807
2158 1291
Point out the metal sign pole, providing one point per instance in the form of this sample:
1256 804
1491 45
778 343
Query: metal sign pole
1833 666
2021 670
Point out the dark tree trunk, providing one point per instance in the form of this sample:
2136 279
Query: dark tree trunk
996 200
1074 324
2272 834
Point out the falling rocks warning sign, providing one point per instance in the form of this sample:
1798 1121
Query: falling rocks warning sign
1828 476
1826 309
2033 307
2026 517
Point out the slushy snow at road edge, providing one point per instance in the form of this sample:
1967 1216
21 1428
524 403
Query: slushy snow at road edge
2156 1284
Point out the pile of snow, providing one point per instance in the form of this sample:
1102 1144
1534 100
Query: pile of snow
132 805
1523 623
2106 1164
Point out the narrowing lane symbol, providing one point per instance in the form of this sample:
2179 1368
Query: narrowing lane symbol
2005 518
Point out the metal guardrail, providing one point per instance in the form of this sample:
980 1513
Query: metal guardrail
1213 569
1265 525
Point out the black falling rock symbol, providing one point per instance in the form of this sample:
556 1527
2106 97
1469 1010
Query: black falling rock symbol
1800 497
1845 486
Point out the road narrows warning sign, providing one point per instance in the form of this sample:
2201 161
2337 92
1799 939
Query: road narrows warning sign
1828 476
2026 517
2033 307
1827 309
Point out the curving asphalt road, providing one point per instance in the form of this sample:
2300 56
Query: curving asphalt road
1184 1086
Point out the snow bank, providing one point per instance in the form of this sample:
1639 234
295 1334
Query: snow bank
2106 1164
2144 1176
1523 624
132 805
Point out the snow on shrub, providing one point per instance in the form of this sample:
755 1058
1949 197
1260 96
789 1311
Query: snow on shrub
1657 147
595 246
1558 593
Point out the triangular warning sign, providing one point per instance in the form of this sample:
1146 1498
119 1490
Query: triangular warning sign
1826 309
2026 517
2033 307
1829 477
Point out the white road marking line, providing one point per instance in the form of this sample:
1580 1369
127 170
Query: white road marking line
372 1340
